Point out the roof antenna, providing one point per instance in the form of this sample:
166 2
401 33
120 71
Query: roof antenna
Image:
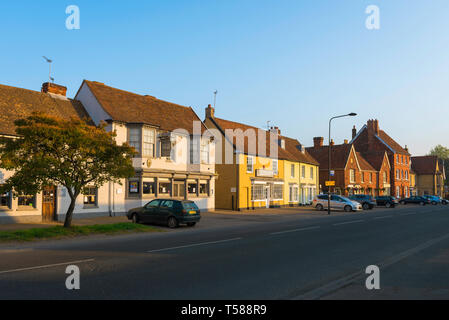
215 98
49 64
268 125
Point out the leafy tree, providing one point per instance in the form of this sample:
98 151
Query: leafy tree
71 153
442 153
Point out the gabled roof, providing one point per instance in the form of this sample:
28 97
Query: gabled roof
376 159
391 143
130 107
425 165
364 164
339 155
384 138
18 103
291 151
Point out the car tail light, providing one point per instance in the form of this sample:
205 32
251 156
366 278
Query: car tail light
184 211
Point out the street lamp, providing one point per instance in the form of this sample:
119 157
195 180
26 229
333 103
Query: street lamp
352 114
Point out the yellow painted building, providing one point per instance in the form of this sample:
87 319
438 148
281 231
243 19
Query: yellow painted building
257 172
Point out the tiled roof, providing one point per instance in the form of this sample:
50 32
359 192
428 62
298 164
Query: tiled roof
291 151
17 103
130 107
391 143
425 164
364 164
376 159
339 155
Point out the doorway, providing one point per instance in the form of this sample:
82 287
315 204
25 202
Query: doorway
49 204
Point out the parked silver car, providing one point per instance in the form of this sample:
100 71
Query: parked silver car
337 203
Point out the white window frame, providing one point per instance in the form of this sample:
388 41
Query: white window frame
249 164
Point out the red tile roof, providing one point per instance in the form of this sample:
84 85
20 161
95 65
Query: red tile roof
392 144
364 164
291 151
130 107
339 155
18 103
376 159
425 165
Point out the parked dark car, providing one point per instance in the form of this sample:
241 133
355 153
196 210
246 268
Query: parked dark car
167 212
444 201
367 201
387 201
415 200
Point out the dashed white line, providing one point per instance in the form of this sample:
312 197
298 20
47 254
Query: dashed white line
348 222
47 266
194 245
386 217
408 214
295 230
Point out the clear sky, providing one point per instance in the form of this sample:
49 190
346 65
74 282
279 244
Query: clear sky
295 63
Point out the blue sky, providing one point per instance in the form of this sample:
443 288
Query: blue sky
294 63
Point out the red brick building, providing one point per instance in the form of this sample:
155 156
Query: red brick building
371 139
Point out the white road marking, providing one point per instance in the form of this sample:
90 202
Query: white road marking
408 214
295 230
194 245
348 222
386 217
47 266
338 284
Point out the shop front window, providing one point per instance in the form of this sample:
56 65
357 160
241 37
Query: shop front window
27 201
164 188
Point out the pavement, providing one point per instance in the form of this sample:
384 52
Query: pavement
289 253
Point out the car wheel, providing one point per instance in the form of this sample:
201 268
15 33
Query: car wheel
191 224
348 208
319 207
402 202
366 206
422 203
135 218
172 222
388 205
434 203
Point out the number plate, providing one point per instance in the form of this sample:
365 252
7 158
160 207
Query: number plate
192 212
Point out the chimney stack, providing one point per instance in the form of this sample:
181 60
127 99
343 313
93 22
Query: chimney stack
332 142
346 141
210 112
354 132
373 126
318 142
52 88
275 130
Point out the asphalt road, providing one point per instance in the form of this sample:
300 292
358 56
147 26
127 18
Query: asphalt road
286 256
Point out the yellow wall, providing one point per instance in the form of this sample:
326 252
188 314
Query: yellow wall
308 181
245 180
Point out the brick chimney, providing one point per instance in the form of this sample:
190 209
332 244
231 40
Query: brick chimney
210 112
332 142
373 126
318 142
57 89
354 132
346 141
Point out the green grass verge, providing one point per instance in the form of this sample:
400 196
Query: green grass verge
61 232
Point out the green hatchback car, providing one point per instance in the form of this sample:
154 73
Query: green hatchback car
167 212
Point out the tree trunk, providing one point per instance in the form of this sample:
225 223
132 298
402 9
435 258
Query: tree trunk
69 214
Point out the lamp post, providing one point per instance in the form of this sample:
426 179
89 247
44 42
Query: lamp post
330 162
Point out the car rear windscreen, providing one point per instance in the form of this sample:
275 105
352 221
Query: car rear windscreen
190 206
